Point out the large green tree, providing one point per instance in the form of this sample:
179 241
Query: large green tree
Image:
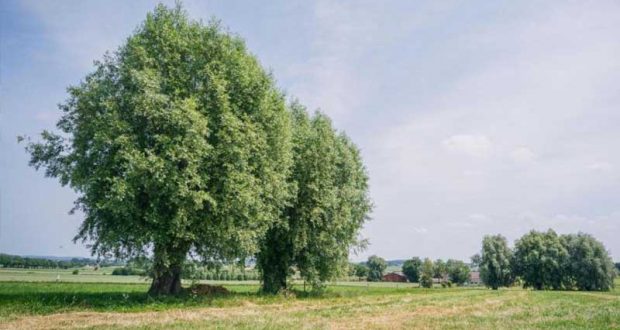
589 267
322 221
495 262
458 271
411 268
376 267
476 260
361 271
177 142
440 269
541 260
426 274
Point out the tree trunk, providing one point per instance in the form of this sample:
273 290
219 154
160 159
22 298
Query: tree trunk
274 278
274 260
167 270
166 282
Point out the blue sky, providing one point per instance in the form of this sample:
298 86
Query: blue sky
474 117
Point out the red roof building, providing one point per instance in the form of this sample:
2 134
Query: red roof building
394 277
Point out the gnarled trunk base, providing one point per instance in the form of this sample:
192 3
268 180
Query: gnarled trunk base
167 268
166 283
274 261
274 282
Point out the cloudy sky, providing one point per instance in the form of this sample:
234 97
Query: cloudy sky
473 117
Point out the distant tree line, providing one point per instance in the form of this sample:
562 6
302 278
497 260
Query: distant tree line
13 261
126 271
547 261
425 272
371 270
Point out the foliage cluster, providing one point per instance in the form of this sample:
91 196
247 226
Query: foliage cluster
495 262
451 271
376 266
412 268
328 207
426 273
546 260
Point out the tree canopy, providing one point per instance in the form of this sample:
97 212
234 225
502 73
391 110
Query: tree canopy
439 269
411 269
177 142
322 221
495 262
476 260
458 271
540 260
427 273
589 266
361 271
376 267
545 260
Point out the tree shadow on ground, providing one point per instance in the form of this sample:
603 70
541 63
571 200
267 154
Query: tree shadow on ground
118 301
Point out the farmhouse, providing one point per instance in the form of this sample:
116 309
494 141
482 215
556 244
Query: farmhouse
394 277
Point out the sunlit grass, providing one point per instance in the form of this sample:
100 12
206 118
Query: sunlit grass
111 305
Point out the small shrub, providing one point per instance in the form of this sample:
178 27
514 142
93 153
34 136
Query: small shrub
75 272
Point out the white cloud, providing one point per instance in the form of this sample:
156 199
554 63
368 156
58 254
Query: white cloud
470 144
478 217
46 116
419 230
522 155
600 167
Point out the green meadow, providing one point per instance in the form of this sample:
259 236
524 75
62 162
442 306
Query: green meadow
33 299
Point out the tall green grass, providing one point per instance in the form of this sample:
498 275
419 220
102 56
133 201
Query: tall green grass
340 305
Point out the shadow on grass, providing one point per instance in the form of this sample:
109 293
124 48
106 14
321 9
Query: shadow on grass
71 298
28 298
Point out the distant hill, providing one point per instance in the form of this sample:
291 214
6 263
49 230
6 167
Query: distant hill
8 260
390 263
395 262
56 258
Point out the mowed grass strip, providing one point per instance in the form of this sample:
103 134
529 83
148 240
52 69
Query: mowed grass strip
89 305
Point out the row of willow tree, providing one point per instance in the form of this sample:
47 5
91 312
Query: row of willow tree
179 143
547 261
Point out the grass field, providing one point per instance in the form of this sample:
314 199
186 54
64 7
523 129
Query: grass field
39 304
